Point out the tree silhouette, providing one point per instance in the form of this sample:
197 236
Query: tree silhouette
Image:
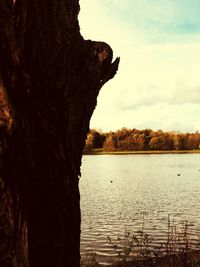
50 78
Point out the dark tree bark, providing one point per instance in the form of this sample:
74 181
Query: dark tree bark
50 78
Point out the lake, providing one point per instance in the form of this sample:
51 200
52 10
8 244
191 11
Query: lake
121 192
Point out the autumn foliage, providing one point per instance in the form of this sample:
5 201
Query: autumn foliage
141 140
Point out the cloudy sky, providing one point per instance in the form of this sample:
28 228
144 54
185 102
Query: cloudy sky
158 82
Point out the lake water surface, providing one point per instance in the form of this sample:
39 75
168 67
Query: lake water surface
118 191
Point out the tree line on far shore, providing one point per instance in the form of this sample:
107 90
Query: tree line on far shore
141 140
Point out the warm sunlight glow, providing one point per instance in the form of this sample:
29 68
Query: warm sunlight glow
158 82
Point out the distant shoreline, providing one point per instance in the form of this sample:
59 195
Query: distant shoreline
100 151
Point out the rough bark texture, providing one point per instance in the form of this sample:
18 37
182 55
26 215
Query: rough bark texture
50 78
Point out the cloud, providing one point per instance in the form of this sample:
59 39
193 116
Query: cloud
158 78
152 74
163 116
171 16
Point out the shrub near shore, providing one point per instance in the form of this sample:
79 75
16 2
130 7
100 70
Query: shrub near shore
180 249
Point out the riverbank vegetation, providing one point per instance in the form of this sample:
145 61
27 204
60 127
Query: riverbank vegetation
133 140
181 248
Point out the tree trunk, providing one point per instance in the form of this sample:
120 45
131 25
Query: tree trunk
50 78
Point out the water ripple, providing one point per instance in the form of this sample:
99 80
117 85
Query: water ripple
145 190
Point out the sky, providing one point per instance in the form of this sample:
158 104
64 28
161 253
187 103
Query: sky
158 82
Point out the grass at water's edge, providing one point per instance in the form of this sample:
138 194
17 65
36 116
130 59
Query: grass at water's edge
191 259
180 249
100 151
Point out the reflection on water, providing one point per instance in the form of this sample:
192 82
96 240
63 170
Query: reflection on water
116 190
